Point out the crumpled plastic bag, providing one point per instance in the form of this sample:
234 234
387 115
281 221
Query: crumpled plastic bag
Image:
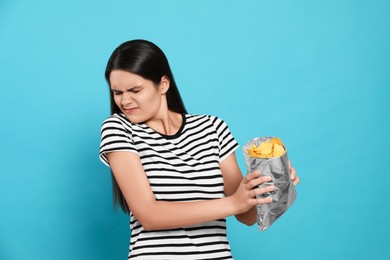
284 194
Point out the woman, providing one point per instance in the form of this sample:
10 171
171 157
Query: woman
174 173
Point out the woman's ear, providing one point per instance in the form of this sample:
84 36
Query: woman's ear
164 84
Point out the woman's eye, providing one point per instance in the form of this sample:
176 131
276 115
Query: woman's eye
135 90
116 93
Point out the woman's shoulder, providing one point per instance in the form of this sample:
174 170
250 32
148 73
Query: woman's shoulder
116 120
214 120
202 116
116 117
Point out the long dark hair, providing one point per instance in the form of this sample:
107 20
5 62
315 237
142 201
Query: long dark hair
147 60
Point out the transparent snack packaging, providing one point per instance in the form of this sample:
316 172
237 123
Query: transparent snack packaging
277 167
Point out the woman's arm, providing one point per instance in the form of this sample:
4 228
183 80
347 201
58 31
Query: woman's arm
158 215
232 178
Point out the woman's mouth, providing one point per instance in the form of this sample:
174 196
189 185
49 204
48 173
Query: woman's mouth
130 110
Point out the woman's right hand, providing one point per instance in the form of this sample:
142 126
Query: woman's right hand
245 195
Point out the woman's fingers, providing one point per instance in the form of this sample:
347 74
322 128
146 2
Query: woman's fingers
296 180
263 200
258 181
253 181
293 173
251 176
249 192
254 189
262 190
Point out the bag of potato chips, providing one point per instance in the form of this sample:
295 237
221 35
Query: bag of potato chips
269 156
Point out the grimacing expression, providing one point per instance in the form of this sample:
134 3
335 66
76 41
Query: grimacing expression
138 98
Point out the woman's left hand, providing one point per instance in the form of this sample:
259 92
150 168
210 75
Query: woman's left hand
294 176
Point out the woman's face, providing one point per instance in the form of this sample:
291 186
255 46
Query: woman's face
138 98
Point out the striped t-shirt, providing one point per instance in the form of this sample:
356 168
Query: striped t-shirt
180 167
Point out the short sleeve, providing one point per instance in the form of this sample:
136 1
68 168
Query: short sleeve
226 142
115 136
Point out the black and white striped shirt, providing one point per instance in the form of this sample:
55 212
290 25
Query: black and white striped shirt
180 167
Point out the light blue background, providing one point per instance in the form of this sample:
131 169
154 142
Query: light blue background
315 73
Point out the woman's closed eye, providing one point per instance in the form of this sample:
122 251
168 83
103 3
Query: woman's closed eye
116 93
134 90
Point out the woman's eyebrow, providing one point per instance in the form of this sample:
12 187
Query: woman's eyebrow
129 89
138 86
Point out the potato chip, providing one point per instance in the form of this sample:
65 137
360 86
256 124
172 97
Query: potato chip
269 149
278 150
266 148
276 140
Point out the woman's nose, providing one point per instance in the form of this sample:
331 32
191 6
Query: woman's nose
126 99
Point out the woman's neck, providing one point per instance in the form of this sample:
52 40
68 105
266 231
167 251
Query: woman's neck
167 123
